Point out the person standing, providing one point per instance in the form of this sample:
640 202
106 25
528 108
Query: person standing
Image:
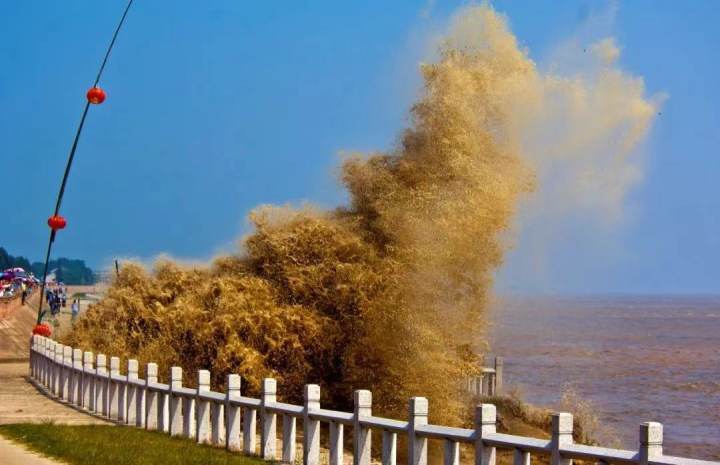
75 308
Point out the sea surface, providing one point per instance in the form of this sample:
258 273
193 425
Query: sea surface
634 358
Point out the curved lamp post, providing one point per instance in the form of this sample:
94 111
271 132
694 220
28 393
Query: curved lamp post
95 96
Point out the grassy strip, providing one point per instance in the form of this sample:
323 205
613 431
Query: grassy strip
100 444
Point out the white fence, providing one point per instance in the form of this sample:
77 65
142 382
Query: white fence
230 420
490 381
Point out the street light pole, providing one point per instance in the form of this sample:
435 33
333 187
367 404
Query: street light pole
94 96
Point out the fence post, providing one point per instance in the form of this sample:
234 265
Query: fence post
202 408
33 358
131 392
651 439
232 414
217 421
249 428
140 405
57 371
336 443
66 377
115 406
42 350
389 448
485 423
451 452
163 409
188 415
76 395
289 434
34 348
87 386
268 433
311 428
50 364
499 363
101 385
151 397
562 431
417 446
362 436
487 383
521 457
175 422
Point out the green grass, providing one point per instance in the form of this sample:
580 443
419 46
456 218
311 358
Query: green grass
117 445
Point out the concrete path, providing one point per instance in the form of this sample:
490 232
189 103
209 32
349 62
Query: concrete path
22 402
13 454
16 324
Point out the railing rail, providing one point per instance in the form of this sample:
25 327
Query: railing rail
230 420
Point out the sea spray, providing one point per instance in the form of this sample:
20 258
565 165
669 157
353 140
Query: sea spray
387 293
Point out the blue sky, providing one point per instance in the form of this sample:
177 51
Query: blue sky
215 107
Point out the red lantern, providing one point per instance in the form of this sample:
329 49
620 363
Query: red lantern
96 95
57 222
42 329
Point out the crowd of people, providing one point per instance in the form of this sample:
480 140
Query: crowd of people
17 282
56 297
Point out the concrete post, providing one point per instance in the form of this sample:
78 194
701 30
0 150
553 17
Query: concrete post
57 371
562 431
417 446
52 366
87 385
33 358
232 414
336 443
115 405
499 363
151 397
163 409
101 385
311 428
521 457
289 436
66 376
486 379
49 358
249 430
39 359
176 418
49 348
485 423
202 408
389 448
362 435
451 453
140 405
131 390
651 439
268 433
76 376
217 423
188 416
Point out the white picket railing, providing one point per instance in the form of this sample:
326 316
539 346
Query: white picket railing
230 420
489 382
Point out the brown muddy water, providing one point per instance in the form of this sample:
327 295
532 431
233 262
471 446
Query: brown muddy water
636 359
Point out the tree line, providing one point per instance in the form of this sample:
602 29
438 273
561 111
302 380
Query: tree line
67 270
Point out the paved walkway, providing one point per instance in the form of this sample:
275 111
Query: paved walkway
20 401
12 454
